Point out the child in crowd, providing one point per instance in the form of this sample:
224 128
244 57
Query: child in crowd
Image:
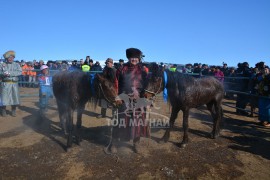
45 90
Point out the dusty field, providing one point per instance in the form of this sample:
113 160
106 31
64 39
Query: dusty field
29 150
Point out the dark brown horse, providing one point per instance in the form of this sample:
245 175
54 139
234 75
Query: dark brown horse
72 91
186 92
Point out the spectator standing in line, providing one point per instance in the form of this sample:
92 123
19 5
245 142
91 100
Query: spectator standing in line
73 66
244 72
173 68
9 90
205 70
219 74
23 77
121 62
225 70
96 67
198 70
188 68
85 67
31 75
91 63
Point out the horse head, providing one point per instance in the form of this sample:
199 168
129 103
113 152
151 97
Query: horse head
107 90
155 82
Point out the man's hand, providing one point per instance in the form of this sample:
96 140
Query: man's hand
6 73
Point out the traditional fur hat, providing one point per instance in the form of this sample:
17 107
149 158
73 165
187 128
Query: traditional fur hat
8 54
133 53
121 60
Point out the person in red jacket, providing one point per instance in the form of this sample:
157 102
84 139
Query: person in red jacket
131 123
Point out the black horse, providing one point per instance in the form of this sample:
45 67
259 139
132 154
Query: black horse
186 92
72 91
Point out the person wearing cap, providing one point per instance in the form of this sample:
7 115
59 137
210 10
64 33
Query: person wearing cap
74 66
45 89
131 82
9 90
109 72
96 67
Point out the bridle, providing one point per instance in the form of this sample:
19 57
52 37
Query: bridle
106 98
152 92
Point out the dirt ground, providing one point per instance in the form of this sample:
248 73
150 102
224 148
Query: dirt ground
31 150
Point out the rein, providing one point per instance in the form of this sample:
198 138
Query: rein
104 93
165 83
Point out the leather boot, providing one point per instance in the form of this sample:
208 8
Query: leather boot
13 110
3 111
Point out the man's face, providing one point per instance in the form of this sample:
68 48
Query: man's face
45 71
109 64
134 61
10 59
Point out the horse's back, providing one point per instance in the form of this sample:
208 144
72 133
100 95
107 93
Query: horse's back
72 85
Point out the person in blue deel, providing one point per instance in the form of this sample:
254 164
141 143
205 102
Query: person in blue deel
45 89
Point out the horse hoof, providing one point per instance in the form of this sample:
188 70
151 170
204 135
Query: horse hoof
78 140
67 149
165 139
214 136
113 150
182 145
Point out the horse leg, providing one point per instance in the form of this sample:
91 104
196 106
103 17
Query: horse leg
80 110
62 109
69 127
216 112
174 114
185 128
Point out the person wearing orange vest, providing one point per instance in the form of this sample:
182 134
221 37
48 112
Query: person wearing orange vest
24 74
31 75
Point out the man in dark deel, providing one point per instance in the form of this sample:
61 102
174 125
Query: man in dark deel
109 72
242 99
225 69
131 82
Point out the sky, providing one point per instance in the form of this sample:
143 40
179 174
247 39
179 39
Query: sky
171 31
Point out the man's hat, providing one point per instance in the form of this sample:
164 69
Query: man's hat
8 54
109 60
91 60
133 53
121 60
